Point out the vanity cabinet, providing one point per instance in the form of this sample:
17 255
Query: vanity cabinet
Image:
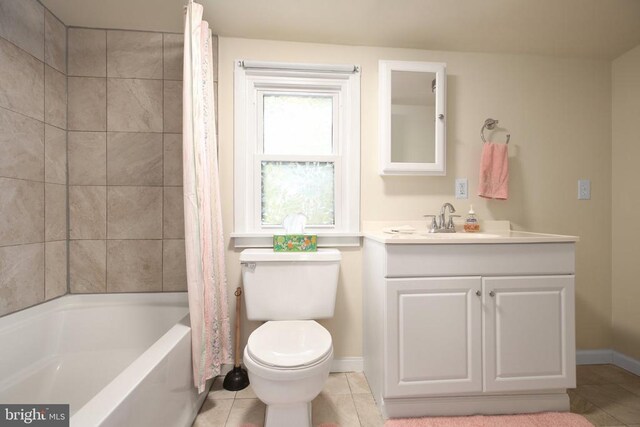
527 326
462 335
434 336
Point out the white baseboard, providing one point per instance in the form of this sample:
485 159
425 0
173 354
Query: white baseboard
347 364
594 357
625 362
598 357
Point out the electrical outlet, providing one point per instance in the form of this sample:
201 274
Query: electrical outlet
462 187
584 189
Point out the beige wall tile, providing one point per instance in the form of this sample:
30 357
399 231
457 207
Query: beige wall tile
173 106
21 145
172 159
134 213
55 155
55 42
173 216
134 265
87 52
88 266
87 212
55 212
134 54
87 103
174 266
173 46
21 81
55 273
55 98
134 158
21 211
87 158
134 105
21 276
22 22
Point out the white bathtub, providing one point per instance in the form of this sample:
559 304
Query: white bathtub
117 359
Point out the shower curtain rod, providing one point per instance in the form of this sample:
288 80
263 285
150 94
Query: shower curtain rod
330 68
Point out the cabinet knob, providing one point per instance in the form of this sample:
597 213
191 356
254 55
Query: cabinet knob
492 294
478 293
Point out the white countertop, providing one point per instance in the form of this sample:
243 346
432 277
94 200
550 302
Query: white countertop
493 232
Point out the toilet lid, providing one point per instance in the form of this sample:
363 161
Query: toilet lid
289 343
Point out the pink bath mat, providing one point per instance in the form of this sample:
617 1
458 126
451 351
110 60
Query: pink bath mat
546 419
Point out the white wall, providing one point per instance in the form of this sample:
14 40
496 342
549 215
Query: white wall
559 114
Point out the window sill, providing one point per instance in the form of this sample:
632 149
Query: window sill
262 240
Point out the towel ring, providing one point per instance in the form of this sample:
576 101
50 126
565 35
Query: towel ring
491 125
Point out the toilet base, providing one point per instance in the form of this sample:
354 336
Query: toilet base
296 414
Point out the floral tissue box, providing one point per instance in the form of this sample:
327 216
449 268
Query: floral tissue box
295 243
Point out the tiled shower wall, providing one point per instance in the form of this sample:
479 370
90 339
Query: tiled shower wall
33 121
126 225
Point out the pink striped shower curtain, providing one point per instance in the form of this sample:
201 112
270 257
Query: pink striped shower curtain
204 242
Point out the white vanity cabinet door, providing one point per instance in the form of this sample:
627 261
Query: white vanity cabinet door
433 336
529 341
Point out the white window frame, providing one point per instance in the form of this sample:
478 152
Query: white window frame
252 80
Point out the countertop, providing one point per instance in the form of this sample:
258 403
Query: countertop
493 232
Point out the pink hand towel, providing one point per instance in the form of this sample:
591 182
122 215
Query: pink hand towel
494 171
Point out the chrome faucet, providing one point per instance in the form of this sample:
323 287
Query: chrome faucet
447 227
440 224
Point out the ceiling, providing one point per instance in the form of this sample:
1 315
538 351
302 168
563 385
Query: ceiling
601 29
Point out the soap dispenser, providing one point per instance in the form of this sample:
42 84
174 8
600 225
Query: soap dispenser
471 224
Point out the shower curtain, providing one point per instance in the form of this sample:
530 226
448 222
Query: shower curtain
204 243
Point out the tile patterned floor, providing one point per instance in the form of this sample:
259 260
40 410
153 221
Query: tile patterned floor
345 400
606 395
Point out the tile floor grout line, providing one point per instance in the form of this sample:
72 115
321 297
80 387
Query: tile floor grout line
356 408
230 409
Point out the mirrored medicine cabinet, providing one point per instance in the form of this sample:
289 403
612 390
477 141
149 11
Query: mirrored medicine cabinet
412 117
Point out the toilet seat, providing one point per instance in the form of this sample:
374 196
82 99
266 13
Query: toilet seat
289 344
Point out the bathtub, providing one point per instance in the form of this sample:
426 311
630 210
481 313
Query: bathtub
116 359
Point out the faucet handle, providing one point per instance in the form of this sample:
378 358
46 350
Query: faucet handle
450 224
434 224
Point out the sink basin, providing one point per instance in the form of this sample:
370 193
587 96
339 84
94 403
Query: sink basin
454 236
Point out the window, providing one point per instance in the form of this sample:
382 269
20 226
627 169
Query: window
297 150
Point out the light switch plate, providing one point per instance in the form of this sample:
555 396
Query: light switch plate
462 188
584 189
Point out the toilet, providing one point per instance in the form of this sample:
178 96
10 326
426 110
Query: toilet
289 356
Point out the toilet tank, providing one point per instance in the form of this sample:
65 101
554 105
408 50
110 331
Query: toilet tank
290 285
